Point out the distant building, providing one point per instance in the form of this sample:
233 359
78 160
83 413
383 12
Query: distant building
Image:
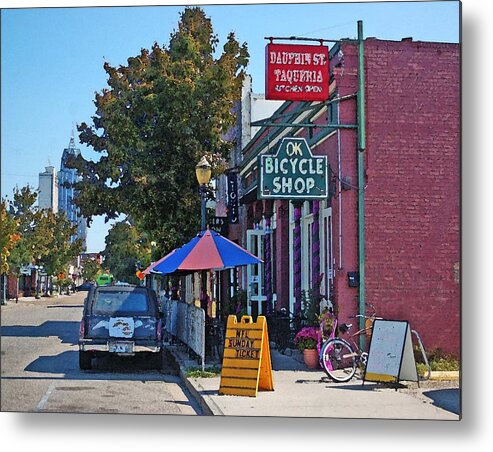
84 257
251 108
67 177
48 189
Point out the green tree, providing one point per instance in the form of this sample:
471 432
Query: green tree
90 270
9 235
46 237
60 247
162 111
32 245
126 248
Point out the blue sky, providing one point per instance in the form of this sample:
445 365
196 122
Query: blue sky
52 61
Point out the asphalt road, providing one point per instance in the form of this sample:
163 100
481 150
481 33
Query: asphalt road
40 370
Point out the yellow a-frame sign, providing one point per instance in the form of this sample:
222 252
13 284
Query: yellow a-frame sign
247 366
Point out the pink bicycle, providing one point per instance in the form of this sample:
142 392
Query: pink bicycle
339 357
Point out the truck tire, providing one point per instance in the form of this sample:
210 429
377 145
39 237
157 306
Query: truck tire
85 359
158 360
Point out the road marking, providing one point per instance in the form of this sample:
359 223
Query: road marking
45 398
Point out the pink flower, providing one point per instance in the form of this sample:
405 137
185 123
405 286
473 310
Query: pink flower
306 338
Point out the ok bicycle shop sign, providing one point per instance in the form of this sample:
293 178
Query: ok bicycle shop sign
293 172
297 72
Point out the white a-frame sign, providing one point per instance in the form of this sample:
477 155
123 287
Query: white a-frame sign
391 357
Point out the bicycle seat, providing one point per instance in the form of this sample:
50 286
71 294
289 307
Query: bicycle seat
344 327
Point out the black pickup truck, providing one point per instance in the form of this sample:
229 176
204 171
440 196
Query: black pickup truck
122 320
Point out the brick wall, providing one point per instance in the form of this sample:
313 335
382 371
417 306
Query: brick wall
413 175
412 183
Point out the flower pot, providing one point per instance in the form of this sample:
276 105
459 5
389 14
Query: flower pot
311 358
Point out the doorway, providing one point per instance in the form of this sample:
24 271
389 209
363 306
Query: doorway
326 252
255 273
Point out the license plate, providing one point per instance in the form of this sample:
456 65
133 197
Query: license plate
121 347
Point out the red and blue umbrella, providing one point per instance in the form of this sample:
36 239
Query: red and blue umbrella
209 250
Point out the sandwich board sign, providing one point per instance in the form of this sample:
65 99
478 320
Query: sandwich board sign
391 357
247 366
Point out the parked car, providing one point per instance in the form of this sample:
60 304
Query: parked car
120 320
84 286
104 279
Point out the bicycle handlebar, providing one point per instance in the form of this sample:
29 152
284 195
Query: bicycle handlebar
364 316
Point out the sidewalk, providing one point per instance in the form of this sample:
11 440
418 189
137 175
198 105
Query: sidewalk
299 392
33 299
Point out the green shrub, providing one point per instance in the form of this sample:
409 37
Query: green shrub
439 361
445 364
310 304
209 372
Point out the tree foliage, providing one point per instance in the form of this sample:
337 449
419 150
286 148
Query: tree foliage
126 249
90 270
9 235
60 248
162 111
44 237
31 245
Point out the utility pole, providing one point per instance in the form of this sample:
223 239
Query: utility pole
361 179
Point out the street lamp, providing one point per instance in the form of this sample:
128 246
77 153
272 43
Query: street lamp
38 269
153 249
203 172
4 288
150 276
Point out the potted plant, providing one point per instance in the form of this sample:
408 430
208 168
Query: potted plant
306 340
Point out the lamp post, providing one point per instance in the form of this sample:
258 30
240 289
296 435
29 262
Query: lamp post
203 172
153 250
150 276
4 288
38 280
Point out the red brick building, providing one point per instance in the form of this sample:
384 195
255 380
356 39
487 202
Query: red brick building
411 194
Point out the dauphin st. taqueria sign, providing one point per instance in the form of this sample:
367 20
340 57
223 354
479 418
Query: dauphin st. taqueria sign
293 172
297 72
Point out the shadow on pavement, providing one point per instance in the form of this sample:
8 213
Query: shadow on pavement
447 399
62 363
67 331
285 362
78 306
353 386
138 368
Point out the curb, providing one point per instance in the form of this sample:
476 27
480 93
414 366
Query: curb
445 375
208 407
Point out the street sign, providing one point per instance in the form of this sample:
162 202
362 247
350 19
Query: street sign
219 224
293 173
246 365
233 207
296 72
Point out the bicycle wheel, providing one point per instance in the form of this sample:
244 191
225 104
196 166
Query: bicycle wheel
338 360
